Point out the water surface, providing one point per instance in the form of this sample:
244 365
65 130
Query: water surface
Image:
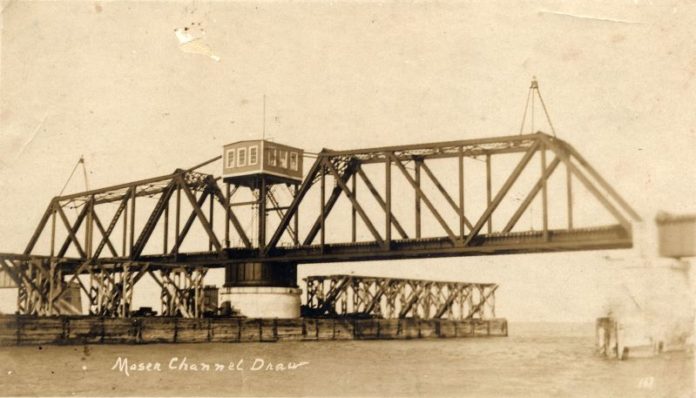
536 360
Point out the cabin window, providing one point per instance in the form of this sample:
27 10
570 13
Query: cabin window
283 159
293 161
241 157
253 155
230 158
271 157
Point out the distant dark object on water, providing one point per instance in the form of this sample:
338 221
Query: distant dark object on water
144 311
310 312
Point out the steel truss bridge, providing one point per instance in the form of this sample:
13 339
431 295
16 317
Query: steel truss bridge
176 227
352 295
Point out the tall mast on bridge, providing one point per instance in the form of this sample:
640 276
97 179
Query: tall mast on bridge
532 94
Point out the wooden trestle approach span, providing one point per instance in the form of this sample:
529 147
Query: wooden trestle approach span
176 227
366 297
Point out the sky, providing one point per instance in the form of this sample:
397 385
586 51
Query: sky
112 81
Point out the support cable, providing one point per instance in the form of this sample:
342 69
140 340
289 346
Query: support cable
84 172
524 115
79 161
546 112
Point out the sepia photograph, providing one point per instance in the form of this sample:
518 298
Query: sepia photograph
347 198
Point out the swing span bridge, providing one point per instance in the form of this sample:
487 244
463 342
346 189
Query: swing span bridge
352 205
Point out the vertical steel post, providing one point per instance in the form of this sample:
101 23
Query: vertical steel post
227 215
322 235
388 211
124 292
296 218
461 192
177 220
353 213
569 194
210 220
544 194
124 241
88 223
53 232
132 221
165 243
262 213
418 199
198 297
89 228
489 192
51 286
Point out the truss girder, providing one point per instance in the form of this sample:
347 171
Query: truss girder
343 168
363 296
168 191
94 240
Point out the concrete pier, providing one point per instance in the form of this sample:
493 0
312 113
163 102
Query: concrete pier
264 301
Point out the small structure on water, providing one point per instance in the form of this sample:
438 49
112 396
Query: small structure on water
653 311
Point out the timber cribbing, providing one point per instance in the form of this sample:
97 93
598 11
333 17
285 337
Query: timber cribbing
27 330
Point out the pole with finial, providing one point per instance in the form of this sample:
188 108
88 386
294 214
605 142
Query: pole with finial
263 132
534 89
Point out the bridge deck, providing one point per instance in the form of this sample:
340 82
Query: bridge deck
599 238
